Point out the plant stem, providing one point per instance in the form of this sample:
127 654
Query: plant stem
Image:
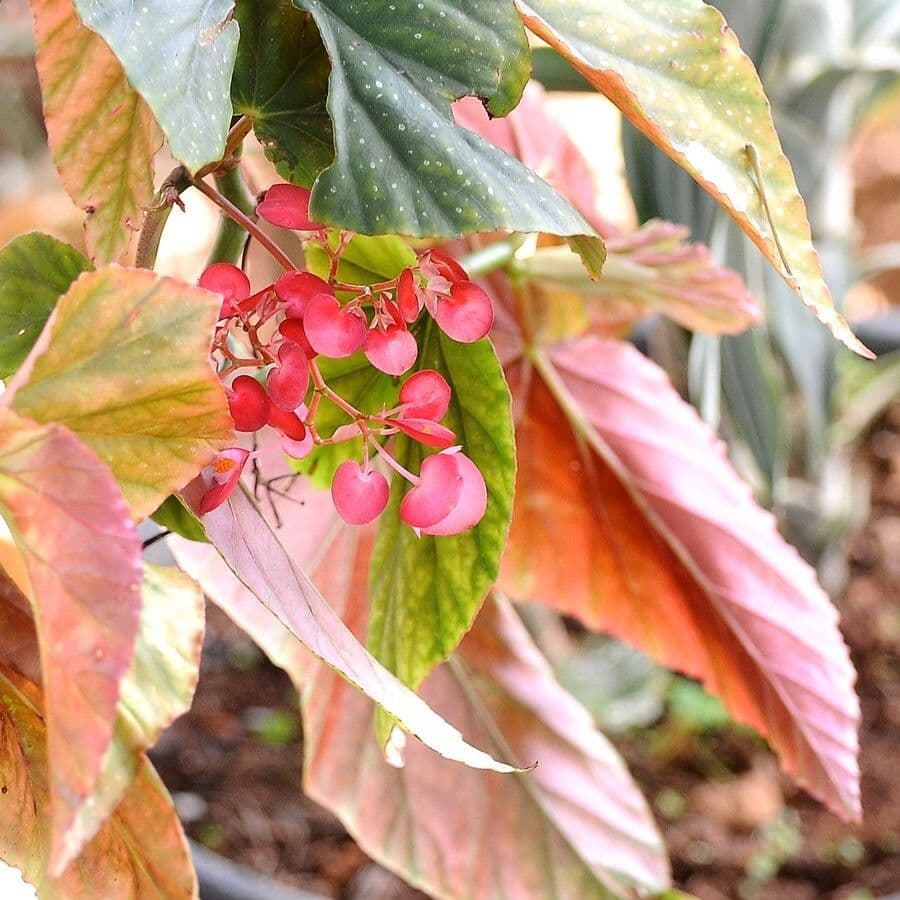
245 222
231 237
168 195
494 256
233 141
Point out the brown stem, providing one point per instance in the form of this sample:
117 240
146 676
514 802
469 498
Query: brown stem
155 217
233 141
245 222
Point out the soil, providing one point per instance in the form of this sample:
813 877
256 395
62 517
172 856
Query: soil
733 825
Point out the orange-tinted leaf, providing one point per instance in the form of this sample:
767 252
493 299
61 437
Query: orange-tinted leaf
655 539
141 852
574 826
82 556
18 639
677 72
570 827
102 134
124 362
158 686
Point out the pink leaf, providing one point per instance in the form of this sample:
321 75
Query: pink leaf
257 557
83 560
572 826
656 540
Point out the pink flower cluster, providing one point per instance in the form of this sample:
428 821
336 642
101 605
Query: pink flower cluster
304 317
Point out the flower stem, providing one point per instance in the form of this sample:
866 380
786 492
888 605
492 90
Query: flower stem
231 237
494 256
245 222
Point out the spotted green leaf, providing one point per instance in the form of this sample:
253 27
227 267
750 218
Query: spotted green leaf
402 165
678 73
281 82
124 363
425 592
35 269
179 56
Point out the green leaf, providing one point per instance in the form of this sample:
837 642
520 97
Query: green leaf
35 269
124 363
179 56
402 164
592 251
281 82
108 170
677 72
365 260
426 591
174 515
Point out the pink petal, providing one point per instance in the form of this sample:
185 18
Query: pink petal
472 502
425 431
287 206
437 493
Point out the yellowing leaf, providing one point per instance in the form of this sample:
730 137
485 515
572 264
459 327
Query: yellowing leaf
82 557
677 72
101 133
124 363
140 852
157 688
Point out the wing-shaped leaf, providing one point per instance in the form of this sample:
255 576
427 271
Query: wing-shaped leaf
258 558
425 592
179 55
281 82
677 72
402 165
101 133
82 556
35 270
655 539
570 827
140 852
124 363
